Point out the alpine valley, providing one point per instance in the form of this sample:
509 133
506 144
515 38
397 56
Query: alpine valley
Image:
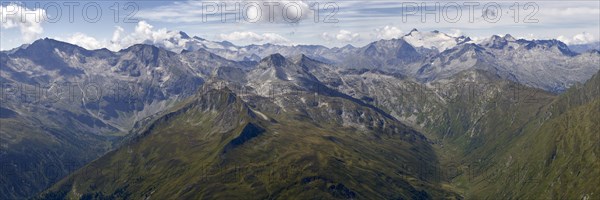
423 116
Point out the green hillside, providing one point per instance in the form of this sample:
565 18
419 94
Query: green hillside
215 143
557 155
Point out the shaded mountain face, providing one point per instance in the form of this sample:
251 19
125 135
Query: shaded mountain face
344 118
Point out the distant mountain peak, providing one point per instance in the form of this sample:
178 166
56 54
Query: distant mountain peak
138 47
548 44
49 41
414 30
184 35
47 45
226 43
497 42
431 40
302 58
496 37
463 39
199 38
509 37
275 59
348 46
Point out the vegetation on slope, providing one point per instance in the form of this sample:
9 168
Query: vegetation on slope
215 144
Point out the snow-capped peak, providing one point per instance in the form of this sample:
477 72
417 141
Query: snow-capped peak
431 40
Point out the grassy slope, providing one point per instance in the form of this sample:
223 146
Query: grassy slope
526 145
191 154
557 156
482 118
494 138
32 160
555 159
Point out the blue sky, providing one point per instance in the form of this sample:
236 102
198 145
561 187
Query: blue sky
292 22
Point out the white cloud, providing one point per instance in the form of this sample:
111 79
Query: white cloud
117 34
85 41
388 32
581 38
478 39
529 36
347 36
144 33
262 11
437 40
455 33
28 20
342 36
326 36
572 11
252 37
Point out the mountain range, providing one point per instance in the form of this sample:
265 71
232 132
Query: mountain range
424 116
536 63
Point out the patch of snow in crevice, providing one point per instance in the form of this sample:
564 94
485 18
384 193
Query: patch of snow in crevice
261 114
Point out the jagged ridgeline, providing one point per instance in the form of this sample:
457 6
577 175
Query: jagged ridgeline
407 118
214 143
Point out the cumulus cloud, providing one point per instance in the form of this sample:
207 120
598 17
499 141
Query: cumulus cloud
145 33
262 11
572 11
455 33
341 36
255 38
529 36
581 38
388 32
85 41
27 20
434 39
